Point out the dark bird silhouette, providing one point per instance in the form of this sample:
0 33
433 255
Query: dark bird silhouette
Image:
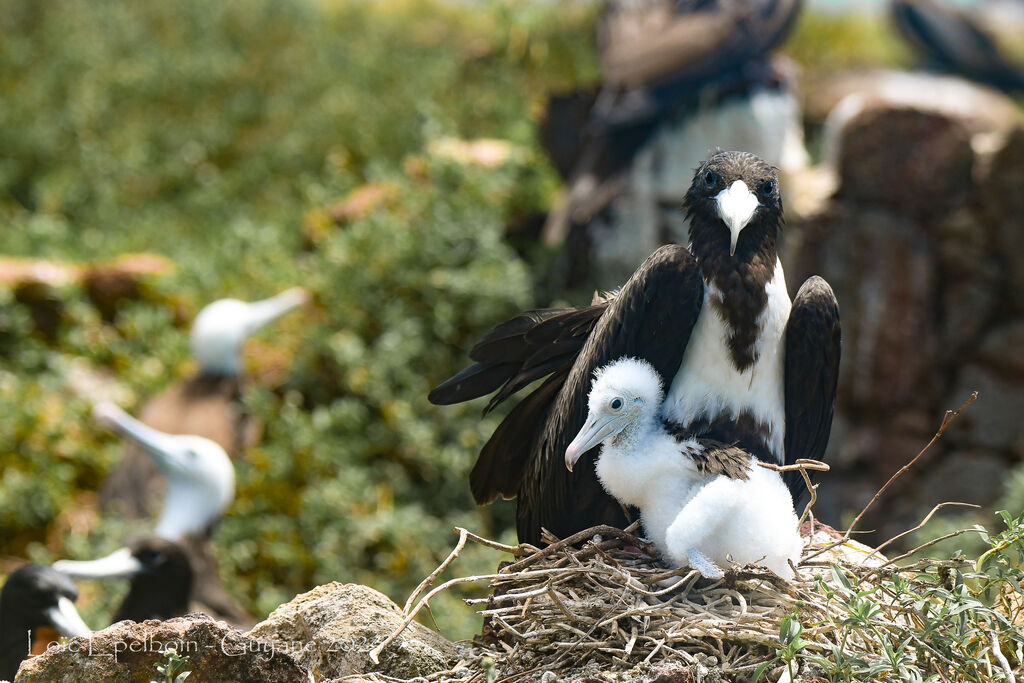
743 364
205 404
951 41
36 607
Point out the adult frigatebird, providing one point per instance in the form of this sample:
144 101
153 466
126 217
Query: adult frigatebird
744 365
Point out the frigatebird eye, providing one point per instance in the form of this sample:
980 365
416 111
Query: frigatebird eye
710 178
767 188
616 403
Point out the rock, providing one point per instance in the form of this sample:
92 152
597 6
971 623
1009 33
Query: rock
1003 349
969 282
913 161
338 624
882 268
128 652
840 97
1003 202
993 421
967 476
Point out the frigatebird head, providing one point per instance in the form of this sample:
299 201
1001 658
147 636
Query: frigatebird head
734 195
159 569
221 328
625 395
38 598
200 476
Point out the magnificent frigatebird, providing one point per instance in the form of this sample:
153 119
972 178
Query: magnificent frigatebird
950 40
702 502
160 573
200 487
205 404
36 607
743 364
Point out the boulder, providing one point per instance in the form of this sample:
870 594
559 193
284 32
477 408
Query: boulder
993 421
913 161
1003 203
881 266
128 652
332 628
1003 349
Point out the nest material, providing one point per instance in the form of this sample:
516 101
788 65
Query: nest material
601 601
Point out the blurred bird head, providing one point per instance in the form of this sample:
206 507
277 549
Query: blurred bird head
626 395
734 206
159 569
36 597
200 476
221 328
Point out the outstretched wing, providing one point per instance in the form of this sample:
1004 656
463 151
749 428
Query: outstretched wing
812 372
650 318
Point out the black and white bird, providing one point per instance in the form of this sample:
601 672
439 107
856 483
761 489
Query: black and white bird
743 364
205 404
159 572
37 605
200 487
703 503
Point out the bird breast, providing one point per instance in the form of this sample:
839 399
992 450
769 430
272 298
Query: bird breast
709 385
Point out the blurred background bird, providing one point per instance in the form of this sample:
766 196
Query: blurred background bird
205 404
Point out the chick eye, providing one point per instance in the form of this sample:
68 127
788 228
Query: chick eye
767 188
710 178
616 403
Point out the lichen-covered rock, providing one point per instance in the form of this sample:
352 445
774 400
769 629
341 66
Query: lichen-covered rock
332 628
128 652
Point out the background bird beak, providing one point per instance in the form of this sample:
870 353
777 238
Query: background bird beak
157 444
736 206
266 311
120 564
596 430
66 621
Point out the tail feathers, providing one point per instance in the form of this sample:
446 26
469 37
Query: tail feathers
499 469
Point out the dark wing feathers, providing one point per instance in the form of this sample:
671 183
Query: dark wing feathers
499 468
651 317
812 372
519 352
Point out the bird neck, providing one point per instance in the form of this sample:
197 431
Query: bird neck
737 282
157 595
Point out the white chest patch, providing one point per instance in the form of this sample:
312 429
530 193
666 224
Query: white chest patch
708 383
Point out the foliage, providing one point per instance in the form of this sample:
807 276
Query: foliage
215 134
172 670
218 135
933 621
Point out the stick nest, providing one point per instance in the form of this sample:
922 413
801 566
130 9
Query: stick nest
602 601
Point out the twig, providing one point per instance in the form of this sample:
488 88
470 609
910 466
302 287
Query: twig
1001 658
930 543
463 534
919 526
946 421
